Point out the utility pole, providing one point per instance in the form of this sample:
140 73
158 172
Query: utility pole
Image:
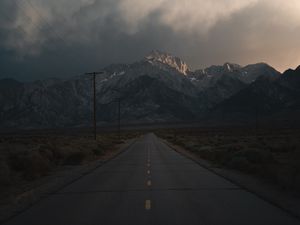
94 102
256 118
119 111
119 117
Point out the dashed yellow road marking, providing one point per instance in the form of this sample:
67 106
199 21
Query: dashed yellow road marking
148 171
149 183
148 204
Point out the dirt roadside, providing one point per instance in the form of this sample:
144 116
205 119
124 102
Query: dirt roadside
289 202
12 205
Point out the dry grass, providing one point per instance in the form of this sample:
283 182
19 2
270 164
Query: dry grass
26 158
270 154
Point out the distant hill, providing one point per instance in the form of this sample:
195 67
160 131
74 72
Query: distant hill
159 87
265 96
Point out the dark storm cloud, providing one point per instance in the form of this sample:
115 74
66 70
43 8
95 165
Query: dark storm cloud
43 38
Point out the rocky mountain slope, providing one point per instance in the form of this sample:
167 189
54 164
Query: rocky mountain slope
248 74
159 87
266 97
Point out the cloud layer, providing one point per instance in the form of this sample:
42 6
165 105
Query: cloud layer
40 38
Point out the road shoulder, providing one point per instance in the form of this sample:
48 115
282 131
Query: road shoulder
53 183
283 200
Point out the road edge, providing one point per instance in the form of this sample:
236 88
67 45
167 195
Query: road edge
205 164
44 195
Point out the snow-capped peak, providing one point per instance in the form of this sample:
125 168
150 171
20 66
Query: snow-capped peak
228 67
170 60
231 66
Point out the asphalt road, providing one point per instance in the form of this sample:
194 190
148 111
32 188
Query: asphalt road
152 184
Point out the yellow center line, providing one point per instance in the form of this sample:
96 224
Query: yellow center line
149 183
148 171
148 204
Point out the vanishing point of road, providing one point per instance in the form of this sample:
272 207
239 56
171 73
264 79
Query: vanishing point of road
150 183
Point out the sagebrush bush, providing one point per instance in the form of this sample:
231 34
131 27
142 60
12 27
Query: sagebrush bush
75 158
98 151
28 157
47 152
31 164
255 155
241 163
205 152
5 173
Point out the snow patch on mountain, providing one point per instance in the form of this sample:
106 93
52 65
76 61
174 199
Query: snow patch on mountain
158 57
248 74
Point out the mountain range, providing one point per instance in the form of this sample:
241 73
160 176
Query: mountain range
158 88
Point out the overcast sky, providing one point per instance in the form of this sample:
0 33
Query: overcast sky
62 38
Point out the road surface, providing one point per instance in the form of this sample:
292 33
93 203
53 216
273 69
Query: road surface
151 184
